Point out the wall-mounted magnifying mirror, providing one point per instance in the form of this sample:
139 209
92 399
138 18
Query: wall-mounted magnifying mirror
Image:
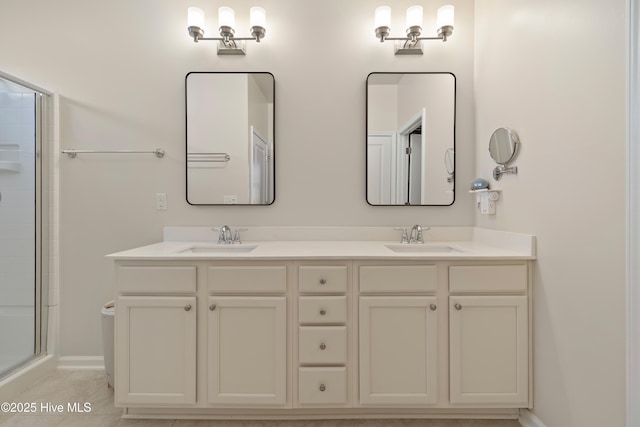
503 147
230 138
449 163
410 129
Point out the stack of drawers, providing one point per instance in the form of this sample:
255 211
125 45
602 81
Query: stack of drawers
322 335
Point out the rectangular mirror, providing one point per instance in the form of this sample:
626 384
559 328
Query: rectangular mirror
230 138
411 139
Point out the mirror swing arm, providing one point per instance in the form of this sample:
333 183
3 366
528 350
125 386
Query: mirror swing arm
500 170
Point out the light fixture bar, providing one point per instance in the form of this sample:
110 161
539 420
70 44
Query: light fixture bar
416 39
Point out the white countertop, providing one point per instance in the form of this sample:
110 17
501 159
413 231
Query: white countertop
482 244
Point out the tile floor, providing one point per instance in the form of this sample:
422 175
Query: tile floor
65 386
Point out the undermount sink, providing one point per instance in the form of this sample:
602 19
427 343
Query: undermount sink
218 249
420 248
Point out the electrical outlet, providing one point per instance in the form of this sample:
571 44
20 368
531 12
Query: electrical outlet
231 200
161 201
491 207
487 204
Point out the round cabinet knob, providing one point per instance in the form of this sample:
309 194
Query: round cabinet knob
323 346
433 307
323 312
322 387
458 307
212 307
323 281
187 307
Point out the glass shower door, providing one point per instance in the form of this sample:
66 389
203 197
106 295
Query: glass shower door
19 224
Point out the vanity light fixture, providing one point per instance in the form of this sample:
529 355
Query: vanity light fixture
412 43
228 43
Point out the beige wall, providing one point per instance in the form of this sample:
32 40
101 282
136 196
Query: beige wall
120 67
382 116
547 70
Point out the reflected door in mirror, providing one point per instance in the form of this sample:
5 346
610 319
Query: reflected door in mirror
230 138
410 128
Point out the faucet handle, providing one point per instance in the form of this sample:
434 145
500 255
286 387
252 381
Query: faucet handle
405 236
419 229
236 236
222 238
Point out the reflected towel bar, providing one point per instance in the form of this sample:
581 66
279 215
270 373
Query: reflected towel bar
208 157
159 152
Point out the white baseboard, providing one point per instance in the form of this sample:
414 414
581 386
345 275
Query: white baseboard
527 419
15 384
92 363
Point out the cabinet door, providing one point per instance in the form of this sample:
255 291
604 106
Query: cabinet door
398 350
247 350
489 350
155 351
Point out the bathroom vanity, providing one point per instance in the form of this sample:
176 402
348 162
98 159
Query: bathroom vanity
325 329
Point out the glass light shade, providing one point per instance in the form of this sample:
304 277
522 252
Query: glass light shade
257 17
226 17
414 16
195 17
445 16
383 16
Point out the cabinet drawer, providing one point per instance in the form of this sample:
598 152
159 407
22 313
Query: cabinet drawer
488 278
248 279
322 279
322 345
156 279
398 278
322 310
322 386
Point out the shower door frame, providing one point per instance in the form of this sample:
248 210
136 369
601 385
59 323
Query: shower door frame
43 143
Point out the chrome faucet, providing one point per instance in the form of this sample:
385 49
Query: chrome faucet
418 237
415 236
225 233
224 238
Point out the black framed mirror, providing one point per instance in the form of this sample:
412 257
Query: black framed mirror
230 138
410 130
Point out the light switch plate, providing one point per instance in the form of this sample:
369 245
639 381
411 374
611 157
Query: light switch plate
161 201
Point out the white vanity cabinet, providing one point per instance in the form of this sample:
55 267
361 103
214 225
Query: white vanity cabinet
489 335
398 335
336 336
247 335
155 357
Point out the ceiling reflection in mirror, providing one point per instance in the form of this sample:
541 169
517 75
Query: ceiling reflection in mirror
230 156
410 130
